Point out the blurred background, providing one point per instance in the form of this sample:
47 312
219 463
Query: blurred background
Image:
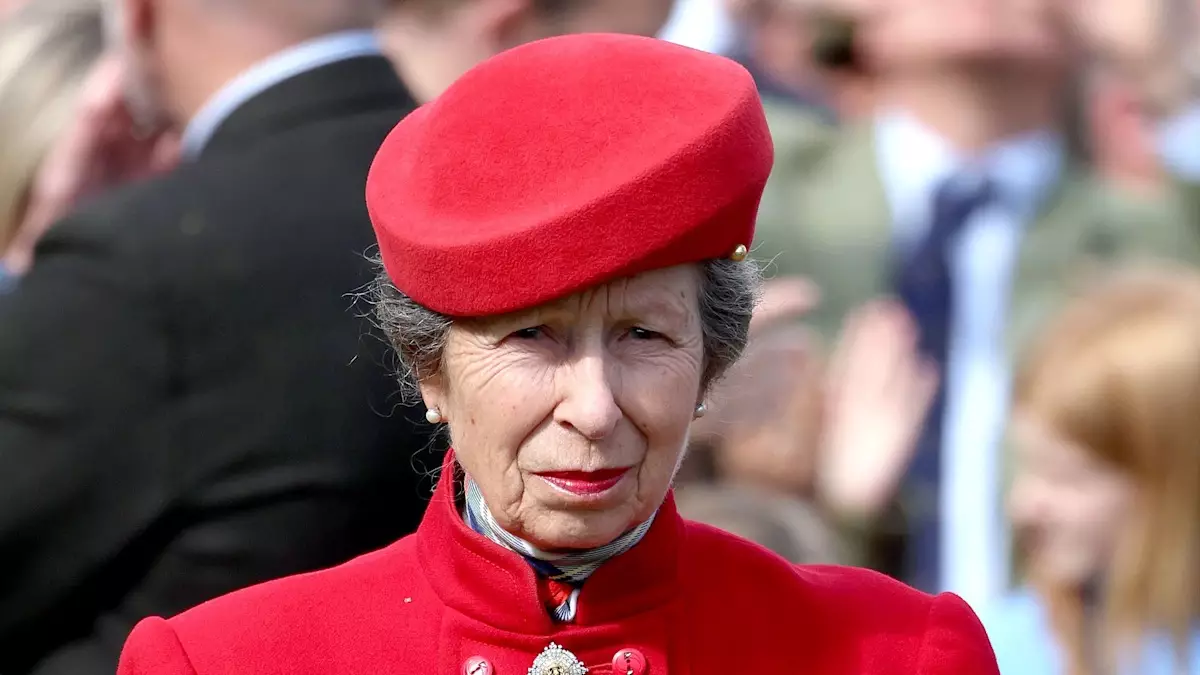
975 368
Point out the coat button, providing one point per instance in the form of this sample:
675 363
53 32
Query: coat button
477 665
629 662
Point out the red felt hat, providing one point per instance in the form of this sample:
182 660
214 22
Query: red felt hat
566 163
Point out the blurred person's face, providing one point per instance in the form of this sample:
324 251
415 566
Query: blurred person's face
781 41
9 6
1067 505
923 33
766 412
1121 137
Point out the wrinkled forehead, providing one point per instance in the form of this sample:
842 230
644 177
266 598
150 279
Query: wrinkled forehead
668 295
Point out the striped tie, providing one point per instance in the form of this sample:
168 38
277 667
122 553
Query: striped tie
558 597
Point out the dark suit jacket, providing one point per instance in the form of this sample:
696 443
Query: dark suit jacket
189 403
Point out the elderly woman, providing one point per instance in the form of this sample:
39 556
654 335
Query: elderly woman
564 233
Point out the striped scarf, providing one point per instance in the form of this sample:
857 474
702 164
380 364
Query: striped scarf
568 568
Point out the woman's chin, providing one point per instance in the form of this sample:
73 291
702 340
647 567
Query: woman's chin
559 530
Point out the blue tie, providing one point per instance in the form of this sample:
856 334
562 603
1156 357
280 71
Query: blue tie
925 286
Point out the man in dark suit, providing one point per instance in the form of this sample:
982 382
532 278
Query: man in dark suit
188 401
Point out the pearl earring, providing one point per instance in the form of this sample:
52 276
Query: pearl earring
433 416
701 409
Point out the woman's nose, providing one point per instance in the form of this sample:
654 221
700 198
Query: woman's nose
588 405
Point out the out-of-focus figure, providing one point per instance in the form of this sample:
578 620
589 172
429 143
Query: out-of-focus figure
1106 498
961 197
764 419
846 73
790 527
433 42
776 46
47 50
1120 138
185 410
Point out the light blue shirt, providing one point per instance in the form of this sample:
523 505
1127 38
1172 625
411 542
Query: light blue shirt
1020 633
1179 144
277 68
914 161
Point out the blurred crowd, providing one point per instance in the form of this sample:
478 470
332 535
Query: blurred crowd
975 366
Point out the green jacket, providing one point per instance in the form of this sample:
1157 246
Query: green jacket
824 216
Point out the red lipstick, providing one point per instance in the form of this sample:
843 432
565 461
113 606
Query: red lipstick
585 482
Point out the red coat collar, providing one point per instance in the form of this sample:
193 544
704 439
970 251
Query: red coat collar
496 586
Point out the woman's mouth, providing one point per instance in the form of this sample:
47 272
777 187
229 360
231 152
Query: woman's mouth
585 483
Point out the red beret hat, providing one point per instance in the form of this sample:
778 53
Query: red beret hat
565 163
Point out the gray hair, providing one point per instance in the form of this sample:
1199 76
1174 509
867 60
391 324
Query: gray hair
728 294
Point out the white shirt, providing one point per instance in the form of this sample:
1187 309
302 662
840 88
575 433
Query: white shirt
277 68
700 24
914 161
1179 143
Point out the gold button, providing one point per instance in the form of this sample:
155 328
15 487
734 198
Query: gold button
739 253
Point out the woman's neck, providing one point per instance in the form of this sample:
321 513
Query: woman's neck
576 563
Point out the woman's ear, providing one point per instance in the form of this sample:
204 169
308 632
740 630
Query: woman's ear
433 394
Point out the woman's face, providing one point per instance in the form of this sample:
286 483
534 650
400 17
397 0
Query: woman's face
1068 505
573 417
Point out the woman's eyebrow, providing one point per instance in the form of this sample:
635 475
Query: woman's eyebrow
672 310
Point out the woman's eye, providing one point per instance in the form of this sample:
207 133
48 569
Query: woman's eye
643 334
532 333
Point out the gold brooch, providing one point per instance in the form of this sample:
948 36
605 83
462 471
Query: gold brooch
555 660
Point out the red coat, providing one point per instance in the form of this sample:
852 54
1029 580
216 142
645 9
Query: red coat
687 599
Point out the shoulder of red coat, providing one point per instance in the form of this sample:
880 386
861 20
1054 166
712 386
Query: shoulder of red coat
307 612
720 559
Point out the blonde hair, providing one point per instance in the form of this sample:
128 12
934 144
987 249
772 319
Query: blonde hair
47 48
1118 373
